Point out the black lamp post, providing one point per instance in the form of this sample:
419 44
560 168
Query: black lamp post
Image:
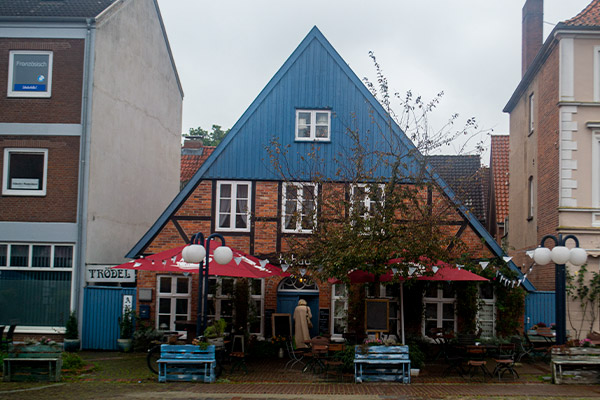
195 253
560 255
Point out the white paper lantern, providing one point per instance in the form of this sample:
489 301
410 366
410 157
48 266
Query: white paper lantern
223 255
560 254
542 256
194 253
578 256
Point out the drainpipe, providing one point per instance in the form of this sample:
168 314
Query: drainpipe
84 171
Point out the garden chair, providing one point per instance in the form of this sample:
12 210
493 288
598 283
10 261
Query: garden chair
296 355
238 353
476 360
540 348
319 346
520 349
505 360
334 365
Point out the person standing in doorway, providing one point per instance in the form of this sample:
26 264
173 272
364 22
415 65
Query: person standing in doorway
302 323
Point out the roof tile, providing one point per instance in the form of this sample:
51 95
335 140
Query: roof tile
190 163
590 16
500 150
53 8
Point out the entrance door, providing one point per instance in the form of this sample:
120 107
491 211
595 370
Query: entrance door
287 302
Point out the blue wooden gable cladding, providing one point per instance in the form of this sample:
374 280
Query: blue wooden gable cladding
314 77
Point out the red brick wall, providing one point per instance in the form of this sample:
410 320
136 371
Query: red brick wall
64 107
263 240
60 202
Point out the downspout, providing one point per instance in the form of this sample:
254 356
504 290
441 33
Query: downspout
84 170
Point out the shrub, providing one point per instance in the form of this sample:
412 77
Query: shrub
144 338
72 361
71 331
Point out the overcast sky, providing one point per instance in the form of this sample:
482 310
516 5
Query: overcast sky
226 51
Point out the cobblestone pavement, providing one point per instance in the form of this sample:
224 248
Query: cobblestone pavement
125 376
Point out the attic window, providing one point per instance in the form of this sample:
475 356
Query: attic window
313 125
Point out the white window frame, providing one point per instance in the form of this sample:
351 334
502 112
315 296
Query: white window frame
258 298
343 300
233 211
173 295
487 302
440 300
595 172
313 126
29 266
5 170
299 205
531 113
11 92
597 73
366 201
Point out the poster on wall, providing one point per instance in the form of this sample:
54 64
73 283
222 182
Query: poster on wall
30 74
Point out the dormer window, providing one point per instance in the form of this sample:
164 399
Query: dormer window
313 125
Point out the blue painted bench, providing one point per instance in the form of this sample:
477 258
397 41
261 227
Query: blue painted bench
186 363
381 363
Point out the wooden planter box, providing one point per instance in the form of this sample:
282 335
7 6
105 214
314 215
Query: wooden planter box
33 363
576 365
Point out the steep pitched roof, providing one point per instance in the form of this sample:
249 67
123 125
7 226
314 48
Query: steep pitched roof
500 150
53 8
463 174
590 16
314 62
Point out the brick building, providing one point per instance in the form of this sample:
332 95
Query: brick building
77 148
306 107
554 145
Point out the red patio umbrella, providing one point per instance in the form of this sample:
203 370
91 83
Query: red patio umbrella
242 265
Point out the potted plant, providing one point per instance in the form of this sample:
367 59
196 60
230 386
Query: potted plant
125 330
214 333
71 342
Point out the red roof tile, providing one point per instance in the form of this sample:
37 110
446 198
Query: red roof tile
590 16
190 163
499 164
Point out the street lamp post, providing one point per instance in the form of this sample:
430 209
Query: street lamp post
560 255
195 253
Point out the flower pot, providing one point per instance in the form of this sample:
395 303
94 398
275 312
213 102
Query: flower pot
71 345
124 345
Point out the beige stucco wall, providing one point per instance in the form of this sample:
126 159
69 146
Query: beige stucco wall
135 134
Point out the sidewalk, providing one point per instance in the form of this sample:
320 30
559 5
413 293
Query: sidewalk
125 376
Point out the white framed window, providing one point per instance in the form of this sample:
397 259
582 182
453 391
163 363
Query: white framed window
220 298
362 197
173 300
486 316
39 256
29 73
440 308
531 113
313 125
24 172
233 206
299 202
339 310
595 171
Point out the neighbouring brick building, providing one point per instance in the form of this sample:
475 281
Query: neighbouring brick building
555 146
80 155
237 192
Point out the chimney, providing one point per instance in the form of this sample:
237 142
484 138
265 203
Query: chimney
533 32
192 145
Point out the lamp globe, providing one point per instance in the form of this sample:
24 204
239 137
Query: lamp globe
542 256
578 256
194 253
223 255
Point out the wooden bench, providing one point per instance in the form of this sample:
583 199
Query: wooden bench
575 365
186 363
33 363
381 363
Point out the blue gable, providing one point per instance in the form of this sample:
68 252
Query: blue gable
313 77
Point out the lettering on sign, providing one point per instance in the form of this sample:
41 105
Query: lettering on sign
104 273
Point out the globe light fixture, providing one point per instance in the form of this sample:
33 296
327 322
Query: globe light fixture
560 255
196 253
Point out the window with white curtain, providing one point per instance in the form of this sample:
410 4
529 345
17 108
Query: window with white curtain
299 204
233 206
313 125
365 198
